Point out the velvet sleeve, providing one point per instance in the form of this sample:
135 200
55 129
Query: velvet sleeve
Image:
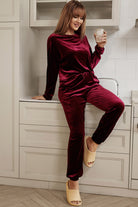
96 55
52 68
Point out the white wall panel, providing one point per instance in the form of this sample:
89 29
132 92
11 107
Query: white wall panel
9 105
9 10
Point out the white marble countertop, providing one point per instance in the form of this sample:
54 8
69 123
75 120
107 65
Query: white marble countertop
126 100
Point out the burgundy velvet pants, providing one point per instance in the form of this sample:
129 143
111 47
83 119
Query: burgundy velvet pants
74 108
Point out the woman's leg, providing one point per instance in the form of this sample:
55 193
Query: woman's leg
113 107
74 111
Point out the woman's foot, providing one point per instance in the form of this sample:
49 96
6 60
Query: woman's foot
92 146
74 185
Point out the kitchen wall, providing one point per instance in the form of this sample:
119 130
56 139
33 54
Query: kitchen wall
120 60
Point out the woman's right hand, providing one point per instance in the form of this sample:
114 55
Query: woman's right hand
39 97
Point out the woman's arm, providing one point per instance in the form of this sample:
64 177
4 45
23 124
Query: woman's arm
52 70
99 50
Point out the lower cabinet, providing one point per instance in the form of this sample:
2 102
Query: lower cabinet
135 148
44 140
43 164
110 169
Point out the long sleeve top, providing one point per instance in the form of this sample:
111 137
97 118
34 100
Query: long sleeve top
73 59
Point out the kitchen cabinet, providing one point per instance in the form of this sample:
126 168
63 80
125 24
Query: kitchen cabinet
135 140
43 145
135 147
45 13
34 134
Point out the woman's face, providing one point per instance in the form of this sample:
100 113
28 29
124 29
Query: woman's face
76 20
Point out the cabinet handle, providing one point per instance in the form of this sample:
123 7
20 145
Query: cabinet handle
137 126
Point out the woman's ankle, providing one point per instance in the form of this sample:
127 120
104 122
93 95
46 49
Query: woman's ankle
92 146
73 184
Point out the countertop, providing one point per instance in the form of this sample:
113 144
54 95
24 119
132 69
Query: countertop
126 100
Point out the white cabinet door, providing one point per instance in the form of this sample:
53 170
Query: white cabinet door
45 13
43 164
102 13
9 10
135 151
50 164
110 169
9 66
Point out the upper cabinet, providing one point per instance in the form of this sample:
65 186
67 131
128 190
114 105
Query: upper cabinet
9 10
45 13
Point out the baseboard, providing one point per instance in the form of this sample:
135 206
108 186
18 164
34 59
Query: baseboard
61 186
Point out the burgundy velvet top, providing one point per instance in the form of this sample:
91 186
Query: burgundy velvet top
73 60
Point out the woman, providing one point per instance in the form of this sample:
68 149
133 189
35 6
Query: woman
70 56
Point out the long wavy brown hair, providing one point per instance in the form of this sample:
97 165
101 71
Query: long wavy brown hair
71 9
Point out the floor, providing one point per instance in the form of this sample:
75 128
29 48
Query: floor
31 197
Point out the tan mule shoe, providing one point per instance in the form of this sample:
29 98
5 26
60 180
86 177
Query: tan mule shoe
73 195
88 155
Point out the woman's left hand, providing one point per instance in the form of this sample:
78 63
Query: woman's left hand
103 40
39 97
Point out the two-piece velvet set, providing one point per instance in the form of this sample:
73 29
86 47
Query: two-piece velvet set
73 60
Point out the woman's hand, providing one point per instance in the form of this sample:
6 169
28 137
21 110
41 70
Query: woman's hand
39 97
103 40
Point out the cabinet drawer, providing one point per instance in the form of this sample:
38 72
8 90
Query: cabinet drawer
44 136
50 164
110 169
136 110
42 114
117 142
53 114
57 137
93 116
43 164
